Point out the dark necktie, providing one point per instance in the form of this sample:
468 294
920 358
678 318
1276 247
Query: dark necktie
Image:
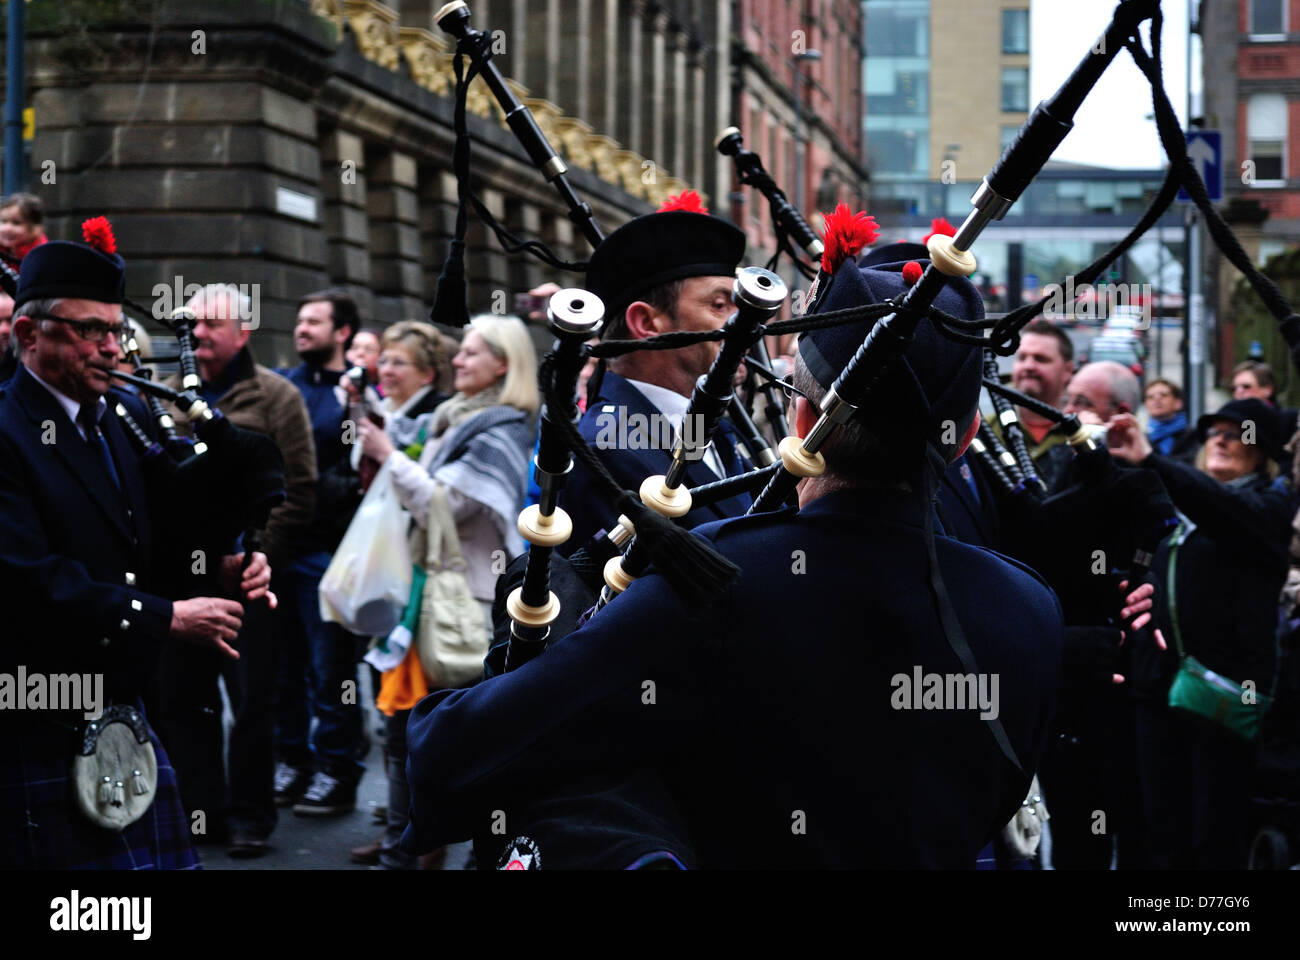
94 437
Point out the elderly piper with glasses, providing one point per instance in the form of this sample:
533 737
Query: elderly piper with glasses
78 584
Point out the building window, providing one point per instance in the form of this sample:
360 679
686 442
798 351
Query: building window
1266 137
1015 31
1015 89
1267 18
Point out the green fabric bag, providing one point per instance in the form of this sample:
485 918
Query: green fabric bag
1198 689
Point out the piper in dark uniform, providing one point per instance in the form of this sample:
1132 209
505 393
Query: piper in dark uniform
667 271
77 579
776 719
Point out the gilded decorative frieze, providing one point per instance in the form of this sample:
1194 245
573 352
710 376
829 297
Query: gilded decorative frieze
428 57
375 27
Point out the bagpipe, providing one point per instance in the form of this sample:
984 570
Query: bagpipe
226 482
212 492
645 534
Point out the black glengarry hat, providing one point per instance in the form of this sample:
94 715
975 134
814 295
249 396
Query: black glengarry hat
932 393
79 271
1248 410
661 247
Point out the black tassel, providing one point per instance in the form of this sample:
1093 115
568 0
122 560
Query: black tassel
449 302
449 306
697 572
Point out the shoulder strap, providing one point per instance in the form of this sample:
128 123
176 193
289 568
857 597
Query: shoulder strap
1171 578
443 548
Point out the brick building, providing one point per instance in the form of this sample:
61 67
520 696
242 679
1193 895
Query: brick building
298 144
798 100
1251 63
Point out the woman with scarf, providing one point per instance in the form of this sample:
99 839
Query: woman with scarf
1168 431
475 446
1219 573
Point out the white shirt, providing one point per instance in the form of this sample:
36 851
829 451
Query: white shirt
673 406
70 406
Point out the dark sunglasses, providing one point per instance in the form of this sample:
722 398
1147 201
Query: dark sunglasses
1228 433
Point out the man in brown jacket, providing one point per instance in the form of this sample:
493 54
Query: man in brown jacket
254 398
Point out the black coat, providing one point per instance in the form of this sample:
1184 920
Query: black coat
769 717
77 586
74 556
1229 573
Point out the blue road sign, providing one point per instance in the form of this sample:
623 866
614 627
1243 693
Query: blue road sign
1205 149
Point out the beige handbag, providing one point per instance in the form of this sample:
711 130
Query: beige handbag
452 637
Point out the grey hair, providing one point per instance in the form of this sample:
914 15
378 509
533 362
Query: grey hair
1121 384
33 307
222 292
855 456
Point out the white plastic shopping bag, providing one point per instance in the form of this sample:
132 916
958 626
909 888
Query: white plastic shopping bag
368 581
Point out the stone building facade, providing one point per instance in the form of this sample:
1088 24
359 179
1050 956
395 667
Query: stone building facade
296 145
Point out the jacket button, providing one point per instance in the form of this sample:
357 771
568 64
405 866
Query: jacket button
124 625
104 641
130 579
136 605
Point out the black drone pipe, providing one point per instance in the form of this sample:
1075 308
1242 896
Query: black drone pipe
1033 404
751 482
775 409
786 218
175 445
1012 431
453 18
949 256
982 450
760 450
574 316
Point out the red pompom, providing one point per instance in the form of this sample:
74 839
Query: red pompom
687 200
941 227
846 233
911 272
98 232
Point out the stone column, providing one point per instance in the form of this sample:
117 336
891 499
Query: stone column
700 137
652 118
343 189
392 209
437 221
486 264
631 68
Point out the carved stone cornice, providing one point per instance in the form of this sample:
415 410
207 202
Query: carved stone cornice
375 27
546 114
331 10
428 57
630 169
602 150
574 136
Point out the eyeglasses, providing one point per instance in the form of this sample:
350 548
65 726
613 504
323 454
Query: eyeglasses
791 391
1228 433
92 331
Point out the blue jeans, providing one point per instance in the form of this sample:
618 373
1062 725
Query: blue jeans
316 676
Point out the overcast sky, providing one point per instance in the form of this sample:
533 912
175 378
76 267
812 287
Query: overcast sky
1112 128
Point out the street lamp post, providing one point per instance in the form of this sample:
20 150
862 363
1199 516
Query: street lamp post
14 99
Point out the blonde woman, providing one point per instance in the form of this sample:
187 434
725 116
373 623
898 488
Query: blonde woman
476 446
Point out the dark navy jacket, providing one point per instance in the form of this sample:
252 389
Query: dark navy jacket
769 716
74 555
619 403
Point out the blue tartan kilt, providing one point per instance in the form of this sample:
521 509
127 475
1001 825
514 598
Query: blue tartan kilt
41 828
